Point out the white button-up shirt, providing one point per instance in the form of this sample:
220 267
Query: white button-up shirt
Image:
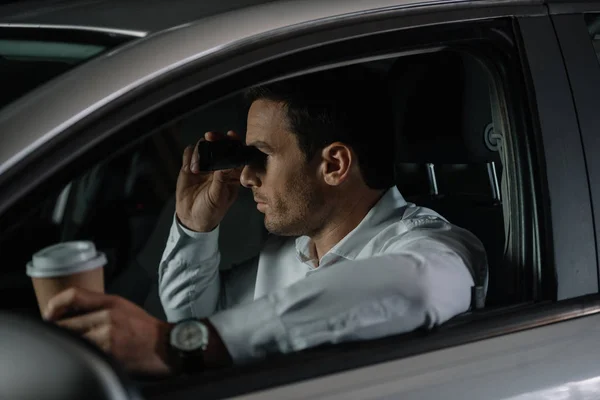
403 267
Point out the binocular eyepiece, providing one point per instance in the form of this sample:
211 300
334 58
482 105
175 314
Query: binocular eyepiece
227 154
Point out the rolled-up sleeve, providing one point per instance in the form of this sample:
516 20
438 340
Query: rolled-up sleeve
189 282
419 279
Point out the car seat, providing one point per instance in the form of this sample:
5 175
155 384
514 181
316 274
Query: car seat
446 156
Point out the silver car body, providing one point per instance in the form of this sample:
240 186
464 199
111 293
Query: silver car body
555 360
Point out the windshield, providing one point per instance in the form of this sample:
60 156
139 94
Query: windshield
29 57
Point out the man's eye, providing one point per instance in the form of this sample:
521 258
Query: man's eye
257 158
262 160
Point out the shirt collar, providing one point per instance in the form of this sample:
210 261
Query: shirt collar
348 248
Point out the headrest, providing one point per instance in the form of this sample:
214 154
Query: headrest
442 112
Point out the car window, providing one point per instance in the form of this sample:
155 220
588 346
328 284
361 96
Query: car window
30 57
593 23
125 204
453 153
28 64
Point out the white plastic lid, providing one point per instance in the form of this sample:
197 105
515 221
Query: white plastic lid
65 259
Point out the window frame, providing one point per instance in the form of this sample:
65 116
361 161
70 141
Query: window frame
583 68
95 135
567 182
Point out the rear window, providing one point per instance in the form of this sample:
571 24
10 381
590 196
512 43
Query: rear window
30 57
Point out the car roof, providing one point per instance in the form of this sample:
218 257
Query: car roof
145 16
71 97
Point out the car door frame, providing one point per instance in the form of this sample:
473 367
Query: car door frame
583 68
535 28
564 158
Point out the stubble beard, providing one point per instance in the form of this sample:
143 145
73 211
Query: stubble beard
297 211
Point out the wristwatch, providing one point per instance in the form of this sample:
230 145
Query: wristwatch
188 340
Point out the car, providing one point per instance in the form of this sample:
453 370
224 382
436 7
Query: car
496 124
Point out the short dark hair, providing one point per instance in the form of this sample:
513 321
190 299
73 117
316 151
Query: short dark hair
349 105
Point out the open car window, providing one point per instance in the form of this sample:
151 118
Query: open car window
125 203
31 56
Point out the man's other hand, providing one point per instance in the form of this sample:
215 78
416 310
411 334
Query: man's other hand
119 327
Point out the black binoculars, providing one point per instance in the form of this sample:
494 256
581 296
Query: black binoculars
227 154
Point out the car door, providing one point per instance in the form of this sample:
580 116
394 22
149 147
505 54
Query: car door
515 350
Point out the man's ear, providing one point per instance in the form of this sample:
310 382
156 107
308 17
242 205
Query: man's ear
337 161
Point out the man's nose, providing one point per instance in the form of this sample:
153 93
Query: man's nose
248 178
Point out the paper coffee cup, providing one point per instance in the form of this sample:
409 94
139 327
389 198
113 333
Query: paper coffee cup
64 265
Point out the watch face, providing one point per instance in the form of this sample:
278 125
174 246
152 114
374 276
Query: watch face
189 336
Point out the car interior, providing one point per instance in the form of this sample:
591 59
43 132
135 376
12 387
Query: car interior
448 158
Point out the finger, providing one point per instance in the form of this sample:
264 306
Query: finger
213 136
100 336
229 176
84 323
194 160
185 173
224 186
187 158
233 135
76 299
186 177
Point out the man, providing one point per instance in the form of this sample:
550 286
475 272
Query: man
349 258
